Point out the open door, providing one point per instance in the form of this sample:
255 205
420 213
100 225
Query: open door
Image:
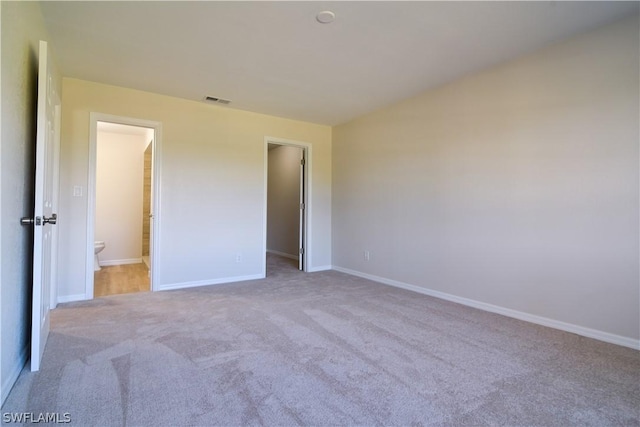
301 221
44 217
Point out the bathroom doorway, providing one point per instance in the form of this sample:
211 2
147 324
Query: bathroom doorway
123 205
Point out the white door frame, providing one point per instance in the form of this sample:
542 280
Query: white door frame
308 188
156 163
56 204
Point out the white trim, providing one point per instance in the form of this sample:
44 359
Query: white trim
11 379
112 262
94 118
156 164
72 298
55 232
199 283
320 268
91 206
308 192
3 386
531 318
286 255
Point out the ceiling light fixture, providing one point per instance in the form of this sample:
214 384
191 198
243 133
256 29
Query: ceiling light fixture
325 17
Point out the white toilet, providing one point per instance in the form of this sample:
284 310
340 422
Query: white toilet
98 246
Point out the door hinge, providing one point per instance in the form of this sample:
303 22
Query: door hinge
302 206
302 162
301 251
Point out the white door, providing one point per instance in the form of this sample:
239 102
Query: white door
301 253
44 217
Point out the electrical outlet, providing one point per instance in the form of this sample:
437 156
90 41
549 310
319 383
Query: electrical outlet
367 256
238 257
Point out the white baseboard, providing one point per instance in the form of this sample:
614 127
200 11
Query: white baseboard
71 298
532 318
195 284
110 262
286 255
320 268
11 379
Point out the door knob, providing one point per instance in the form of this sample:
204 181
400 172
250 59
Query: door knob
39 221
51 220
26 221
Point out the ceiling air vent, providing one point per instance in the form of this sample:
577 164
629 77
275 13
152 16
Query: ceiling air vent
216 100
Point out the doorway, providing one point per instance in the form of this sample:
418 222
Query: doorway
286 202
123 205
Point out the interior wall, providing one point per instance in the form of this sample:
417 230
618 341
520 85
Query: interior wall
22 28
515 187
119 196
212 189
283 200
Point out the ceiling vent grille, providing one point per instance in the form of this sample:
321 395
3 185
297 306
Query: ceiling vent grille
217 100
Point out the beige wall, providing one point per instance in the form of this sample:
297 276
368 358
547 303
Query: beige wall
22 29
212 184
119 201
516 187
283 200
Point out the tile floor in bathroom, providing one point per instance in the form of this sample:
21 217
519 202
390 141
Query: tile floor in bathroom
121 279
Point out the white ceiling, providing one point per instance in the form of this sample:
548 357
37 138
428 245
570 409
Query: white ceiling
275 58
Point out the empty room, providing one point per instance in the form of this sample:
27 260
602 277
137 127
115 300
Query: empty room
320 213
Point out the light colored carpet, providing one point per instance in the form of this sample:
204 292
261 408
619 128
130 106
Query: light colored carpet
319 349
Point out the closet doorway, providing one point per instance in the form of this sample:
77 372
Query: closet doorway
123 212
287 201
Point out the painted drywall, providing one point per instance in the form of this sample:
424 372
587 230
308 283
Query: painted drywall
119 201
283 200
22 29
516 187
212 185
